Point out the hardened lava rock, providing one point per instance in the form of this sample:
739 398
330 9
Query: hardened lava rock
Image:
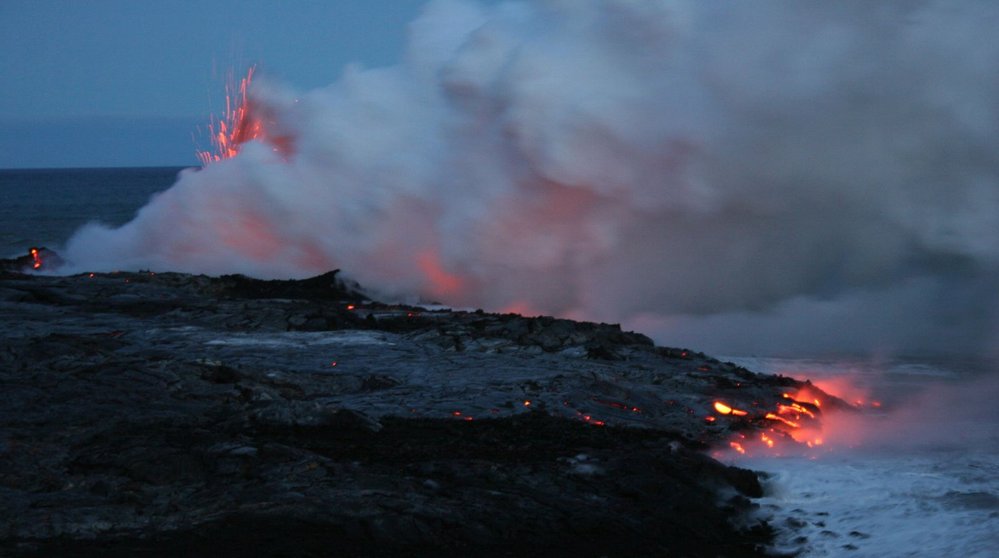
165 414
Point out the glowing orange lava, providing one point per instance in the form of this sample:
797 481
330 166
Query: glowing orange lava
779 418
36 258
726 410
242 121
804 419
237 124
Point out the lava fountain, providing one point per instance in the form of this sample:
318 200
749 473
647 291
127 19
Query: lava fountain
241 122
612 160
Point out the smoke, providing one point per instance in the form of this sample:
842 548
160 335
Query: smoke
770 171
941 416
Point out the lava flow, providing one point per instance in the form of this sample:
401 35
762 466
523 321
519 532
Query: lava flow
796 423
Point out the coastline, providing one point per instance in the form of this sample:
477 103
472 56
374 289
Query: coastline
170 413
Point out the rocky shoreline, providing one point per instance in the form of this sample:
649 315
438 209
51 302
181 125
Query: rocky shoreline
166 414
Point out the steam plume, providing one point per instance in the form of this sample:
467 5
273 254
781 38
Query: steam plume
691 163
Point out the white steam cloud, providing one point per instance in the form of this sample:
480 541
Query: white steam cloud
832 165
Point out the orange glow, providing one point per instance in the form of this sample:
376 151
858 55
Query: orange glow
36 259
442 282
520 307
726 410
794 409
845 388
804 420
815 401
244 229
772 416
236 126
241 122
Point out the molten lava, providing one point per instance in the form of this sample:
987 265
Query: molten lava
726 410
36 259
236 125
242 121
788 425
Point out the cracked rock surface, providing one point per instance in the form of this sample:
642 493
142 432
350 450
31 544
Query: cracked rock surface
170 414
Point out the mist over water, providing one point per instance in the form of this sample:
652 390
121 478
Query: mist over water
774 177
916 475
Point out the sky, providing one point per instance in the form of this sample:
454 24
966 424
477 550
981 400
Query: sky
124 83
820 173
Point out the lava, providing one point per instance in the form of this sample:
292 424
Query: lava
798 421
37 259
726 410
242 121
237 124
779 418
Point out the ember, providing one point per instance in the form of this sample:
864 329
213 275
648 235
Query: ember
241 122
236 124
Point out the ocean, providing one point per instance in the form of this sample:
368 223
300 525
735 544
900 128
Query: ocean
918 475
43 207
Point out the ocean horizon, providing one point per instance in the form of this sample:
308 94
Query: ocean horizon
45 206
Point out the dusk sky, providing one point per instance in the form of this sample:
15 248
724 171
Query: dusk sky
125 83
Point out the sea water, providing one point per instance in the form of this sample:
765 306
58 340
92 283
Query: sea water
43 207
922 480
917 476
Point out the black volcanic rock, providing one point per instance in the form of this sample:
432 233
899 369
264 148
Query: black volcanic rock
169 414
321 287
